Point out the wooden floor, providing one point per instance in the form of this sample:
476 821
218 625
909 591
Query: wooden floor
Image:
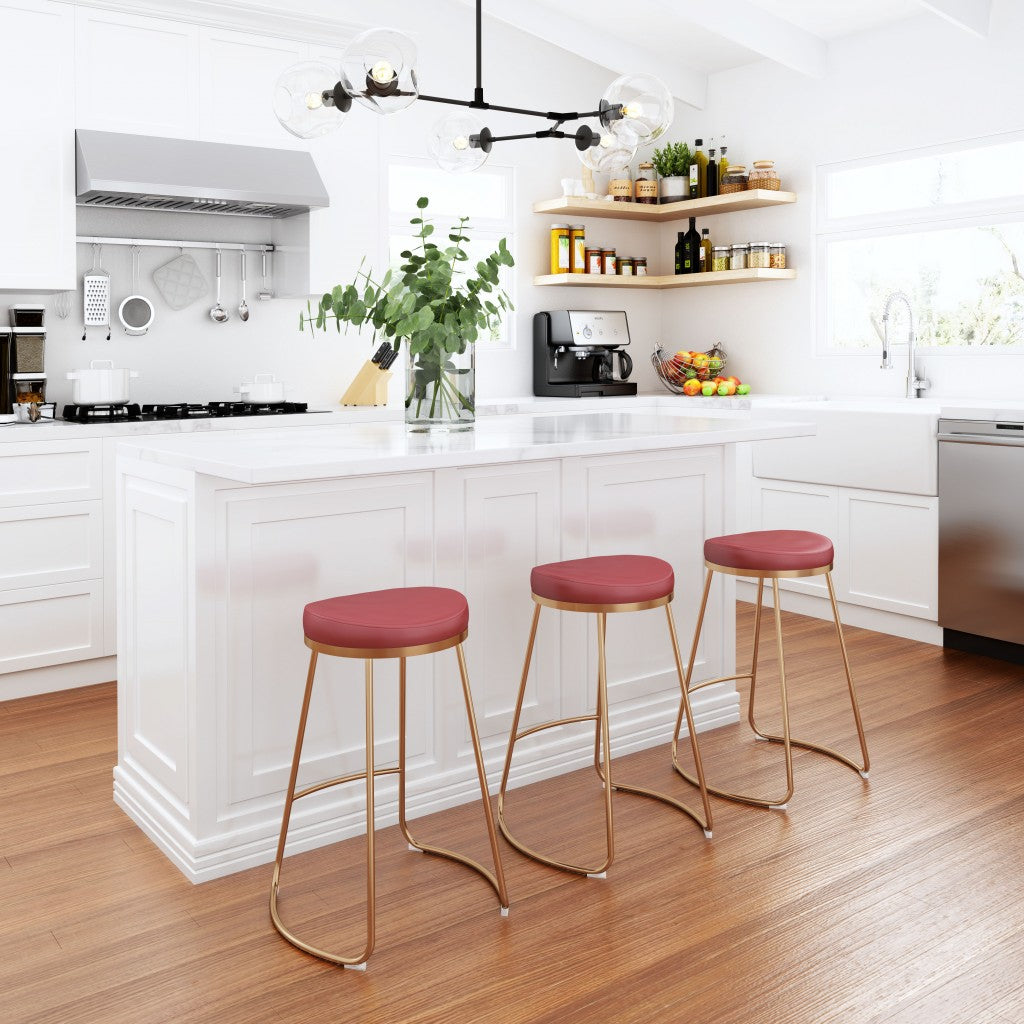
896 900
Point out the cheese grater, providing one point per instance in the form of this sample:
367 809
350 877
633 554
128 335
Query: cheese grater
96 296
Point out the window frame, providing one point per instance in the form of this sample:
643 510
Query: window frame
916 220
396 222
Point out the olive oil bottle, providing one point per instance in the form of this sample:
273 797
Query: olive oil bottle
705 249
699 172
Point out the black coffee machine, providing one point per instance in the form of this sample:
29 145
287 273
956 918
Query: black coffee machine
580 353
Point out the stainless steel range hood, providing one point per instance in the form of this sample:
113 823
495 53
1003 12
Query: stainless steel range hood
141 172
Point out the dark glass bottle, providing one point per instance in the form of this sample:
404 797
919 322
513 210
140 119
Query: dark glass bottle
680 251
712 172
691 249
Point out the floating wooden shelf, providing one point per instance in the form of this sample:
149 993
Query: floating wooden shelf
752 199
670 281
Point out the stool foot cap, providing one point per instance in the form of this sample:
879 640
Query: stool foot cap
413 849
599 874
707 833
760 738
863 775
778 807
504 911
355 967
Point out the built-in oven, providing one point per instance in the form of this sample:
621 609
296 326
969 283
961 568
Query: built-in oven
981 536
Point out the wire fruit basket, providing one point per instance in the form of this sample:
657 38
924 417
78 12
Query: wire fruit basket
675 370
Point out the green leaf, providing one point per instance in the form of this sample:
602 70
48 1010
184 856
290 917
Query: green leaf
302 322
428 229
422 202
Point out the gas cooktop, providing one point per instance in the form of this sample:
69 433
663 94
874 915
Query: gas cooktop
133 413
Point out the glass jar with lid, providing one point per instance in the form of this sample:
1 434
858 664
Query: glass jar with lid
738 256
734 180
764 175
778 256
759 257
720 257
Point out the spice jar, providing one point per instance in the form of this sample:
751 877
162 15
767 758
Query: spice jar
577 249
620 186
734 180
640 266
593 261
560 249
760 256
645 188
764 175
626 266
777 260
608 261
720 257
738 256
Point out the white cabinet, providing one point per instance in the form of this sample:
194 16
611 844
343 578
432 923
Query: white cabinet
886 544
135 74
37 173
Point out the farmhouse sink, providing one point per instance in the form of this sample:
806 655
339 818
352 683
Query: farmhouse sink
878 444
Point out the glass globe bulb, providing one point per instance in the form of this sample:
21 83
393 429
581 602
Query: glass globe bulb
450 146
378 69
611 153
647 106
299 103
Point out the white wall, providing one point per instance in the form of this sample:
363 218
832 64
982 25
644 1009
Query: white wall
186 356
920 82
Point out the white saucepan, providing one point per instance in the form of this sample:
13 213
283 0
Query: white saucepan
101 384
263 388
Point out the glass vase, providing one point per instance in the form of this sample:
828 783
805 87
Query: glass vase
440 389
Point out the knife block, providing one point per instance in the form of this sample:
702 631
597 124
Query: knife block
368 387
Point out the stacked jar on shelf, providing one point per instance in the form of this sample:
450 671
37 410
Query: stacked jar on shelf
570 254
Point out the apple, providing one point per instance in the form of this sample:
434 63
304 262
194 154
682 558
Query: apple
726 388
733 380
708 388
691 387
742 389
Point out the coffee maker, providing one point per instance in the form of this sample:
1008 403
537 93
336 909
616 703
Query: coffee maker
580 353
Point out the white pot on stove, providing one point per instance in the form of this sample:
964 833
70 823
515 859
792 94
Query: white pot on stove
264 388
101 384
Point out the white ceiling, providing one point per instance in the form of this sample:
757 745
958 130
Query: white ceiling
830 19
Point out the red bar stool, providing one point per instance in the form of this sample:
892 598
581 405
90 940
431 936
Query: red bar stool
771 555
601 585
399 624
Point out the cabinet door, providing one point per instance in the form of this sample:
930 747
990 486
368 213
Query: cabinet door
648 503
37 173
138 75
494 524
51 544
237 77
891 552
782 505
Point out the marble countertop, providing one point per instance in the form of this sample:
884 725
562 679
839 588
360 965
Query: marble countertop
333 450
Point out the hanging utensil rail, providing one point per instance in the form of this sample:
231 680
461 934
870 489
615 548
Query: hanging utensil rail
167 243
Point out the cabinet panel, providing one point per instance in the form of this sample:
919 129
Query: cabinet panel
51 625
38 472
37 175
51 544
892 552
237 77
783 506
645 504
137 74
283 549
494 524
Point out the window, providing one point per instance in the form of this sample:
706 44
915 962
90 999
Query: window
485 196
946 226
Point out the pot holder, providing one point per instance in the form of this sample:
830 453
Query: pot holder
180 282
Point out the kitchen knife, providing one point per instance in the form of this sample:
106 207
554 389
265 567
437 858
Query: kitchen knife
388 359
381 352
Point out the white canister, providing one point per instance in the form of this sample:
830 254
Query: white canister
101 384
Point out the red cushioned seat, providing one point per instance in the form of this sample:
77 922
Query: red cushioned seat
770 550
604 579
379 619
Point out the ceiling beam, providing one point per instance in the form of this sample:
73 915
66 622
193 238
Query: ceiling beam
747 25
971 15
600 47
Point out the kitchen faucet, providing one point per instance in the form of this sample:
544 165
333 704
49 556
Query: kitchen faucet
915 384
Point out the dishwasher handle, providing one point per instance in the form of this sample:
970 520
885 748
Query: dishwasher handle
1001 440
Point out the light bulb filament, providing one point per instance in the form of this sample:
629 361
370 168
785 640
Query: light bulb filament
382 72
460 142
314 100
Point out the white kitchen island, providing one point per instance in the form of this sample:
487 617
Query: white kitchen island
222 539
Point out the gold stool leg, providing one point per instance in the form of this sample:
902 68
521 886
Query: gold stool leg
497 880
753 659
358 962
863 768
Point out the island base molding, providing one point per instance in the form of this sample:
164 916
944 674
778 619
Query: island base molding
343 817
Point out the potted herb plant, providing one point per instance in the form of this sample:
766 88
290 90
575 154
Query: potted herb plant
673 166
425 303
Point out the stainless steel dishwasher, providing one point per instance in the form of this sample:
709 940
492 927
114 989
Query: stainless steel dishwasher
981 536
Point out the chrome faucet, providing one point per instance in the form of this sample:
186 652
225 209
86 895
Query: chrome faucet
915 384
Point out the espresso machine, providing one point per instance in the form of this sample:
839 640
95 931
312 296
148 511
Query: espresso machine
580 353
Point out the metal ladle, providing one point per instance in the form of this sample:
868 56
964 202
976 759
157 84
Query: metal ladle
243 306
218 314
